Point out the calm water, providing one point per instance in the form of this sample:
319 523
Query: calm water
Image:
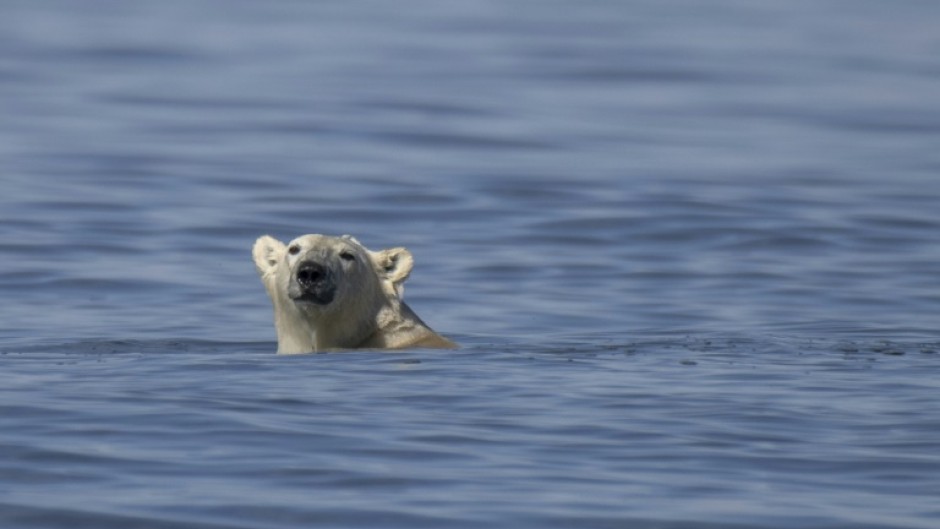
692 252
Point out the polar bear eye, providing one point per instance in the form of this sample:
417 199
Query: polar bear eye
347 256
294 249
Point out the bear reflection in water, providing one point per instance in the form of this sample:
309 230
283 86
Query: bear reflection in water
334 293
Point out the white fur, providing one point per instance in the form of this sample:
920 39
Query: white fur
367 310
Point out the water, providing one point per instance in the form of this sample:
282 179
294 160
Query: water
691 253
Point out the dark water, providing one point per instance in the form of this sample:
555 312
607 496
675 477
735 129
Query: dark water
691 249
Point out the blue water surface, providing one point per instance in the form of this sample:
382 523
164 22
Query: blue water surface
691 252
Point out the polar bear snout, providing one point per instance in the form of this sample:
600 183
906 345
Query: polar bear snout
312 283
309 274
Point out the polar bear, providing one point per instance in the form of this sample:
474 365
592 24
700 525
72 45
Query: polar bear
333 293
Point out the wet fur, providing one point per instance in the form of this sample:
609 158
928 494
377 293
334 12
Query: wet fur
368 311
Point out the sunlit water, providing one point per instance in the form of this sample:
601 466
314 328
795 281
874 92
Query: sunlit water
691 251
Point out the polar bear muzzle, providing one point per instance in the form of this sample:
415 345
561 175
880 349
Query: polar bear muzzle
312 283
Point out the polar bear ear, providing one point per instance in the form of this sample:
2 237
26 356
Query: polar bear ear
267 252
395 266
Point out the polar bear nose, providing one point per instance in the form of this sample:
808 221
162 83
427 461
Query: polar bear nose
310 273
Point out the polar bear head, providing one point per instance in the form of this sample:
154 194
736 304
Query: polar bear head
330 292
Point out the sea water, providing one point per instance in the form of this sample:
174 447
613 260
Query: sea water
691 252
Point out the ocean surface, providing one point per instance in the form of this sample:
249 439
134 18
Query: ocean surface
691 251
